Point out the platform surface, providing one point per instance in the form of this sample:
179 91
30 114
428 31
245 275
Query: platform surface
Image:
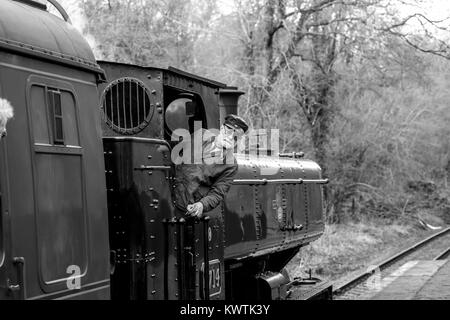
417 280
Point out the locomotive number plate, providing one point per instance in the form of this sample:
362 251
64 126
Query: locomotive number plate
215 277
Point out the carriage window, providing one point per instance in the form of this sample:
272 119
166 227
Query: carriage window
55 109
54 116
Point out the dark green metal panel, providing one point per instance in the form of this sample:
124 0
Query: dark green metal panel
263 218
138 172
52 171
57 193
152 82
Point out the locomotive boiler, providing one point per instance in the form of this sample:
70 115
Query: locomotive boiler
87 179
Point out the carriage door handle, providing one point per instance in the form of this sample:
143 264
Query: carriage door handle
12 287
19 263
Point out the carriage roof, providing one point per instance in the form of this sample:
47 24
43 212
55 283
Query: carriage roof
27 28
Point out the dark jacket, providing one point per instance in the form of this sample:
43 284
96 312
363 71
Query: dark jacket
205 183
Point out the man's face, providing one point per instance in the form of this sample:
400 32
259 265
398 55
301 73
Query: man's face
228 136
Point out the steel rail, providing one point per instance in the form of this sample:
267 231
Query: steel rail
443 255
347 285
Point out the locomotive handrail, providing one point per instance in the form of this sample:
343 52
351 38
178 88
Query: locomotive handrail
144 168
279 181
205 221
294 155
319 181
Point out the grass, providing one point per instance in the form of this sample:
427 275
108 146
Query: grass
354 246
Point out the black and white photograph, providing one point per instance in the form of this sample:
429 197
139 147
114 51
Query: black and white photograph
225 158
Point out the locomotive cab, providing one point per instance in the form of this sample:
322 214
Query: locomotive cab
146 237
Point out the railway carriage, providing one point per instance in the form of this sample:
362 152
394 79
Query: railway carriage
86 180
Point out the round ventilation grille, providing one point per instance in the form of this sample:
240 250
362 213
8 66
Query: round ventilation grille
126 106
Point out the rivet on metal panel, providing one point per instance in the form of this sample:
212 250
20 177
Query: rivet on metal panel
153 275
153 292
151 189
152 221
150 157
149 76
150 173
152 237
160 110
153 91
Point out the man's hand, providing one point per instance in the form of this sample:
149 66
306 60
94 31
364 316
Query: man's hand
195 210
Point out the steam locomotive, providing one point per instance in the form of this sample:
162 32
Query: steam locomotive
86 179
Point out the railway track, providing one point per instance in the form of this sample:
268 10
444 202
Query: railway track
443 255
365 284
